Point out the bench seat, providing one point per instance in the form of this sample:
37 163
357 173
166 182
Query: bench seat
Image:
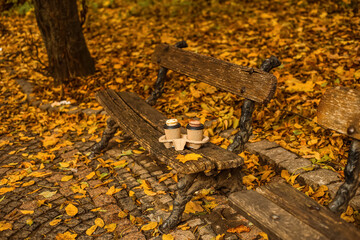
286 213
145 124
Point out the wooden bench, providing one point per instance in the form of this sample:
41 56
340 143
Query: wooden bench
285 213
217 167
339 110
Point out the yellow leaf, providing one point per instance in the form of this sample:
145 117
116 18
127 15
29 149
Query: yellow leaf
99 222
66 236
131 193
321 191
137 151
193 207
71 210
220 237
54 222
188 157
149 192
264 235
49 141
357 75
112 190
66 178
248 179
297 125
292 179
5 226
29 221
27 211
110 227
12 152
285 174
167 237
64 164
48 194
91 230
265 175
239 229
90 175
294 84
122 214
96 209
5 190
39 174
149 226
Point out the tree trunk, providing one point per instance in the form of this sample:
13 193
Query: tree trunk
65 44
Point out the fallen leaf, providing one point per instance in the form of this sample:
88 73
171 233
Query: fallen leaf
91 230
193 207
90 175
239 229
149 226
122 214
27 211
167 237
54 222
188 157
112 190
66 178
6 189
66 236
99 222
71 210
28 183
5 225
264 235
29 221
110 227
48 194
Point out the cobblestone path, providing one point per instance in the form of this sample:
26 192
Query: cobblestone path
136 207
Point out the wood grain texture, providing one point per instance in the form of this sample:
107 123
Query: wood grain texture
339 110
271 218
147 135
309 211
253 84
221 158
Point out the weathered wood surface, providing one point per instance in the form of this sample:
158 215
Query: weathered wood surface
221 158
339 110
147 135
308 211
249 83
271 218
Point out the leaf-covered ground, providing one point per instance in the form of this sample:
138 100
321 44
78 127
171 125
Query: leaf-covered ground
318 44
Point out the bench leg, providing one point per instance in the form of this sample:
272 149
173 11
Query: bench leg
109 133
159 84
352 179
189 184
247 109
245 126
158 87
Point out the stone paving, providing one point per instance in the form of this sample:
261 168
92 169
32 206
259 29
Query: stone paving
309 174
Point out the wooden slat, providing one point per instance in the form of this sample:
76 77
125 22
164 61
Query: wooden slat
339 110
271 218
147 135
258 86
308 211
222 158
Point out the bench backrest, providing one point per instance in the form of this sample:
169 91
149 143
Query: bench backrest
339 110
253 84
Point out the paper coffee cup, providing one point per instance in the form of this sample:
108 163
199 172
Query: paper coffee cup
195 132
172 129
